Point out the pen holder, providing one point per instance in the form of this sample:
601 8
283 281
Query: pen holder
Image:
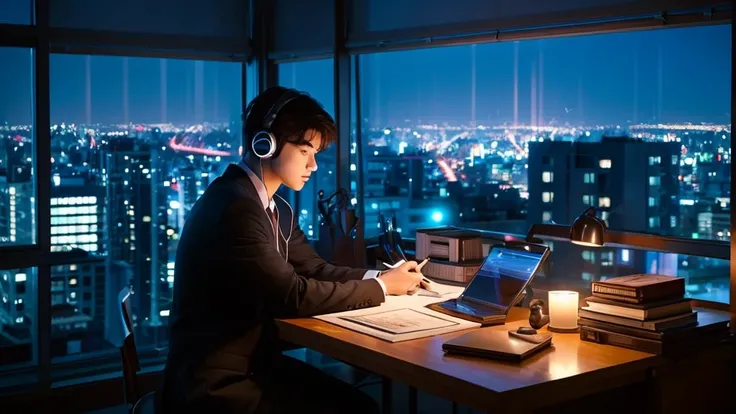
341 250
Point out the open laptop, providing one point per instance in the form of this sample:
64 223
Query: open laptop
497 285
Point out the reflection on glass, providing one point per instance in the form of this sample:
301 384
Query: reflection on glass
134 144
501 136
18 311
316 78
574 267
17 154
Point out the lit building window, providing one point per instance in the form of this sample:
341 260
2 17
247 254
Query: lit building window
607 258
588 199
589 178
625 255
604 202
588 256
547 216
548 197
655 180
654 222
547 177
604 163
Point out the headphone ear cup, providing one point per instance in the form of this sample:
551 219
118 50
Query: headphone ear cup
264 145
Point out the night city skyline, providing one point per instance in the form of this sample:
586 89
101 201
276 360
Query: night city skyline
496 136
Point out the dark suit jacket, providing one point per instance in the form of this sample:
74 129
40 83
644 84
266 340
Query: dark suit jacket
230 284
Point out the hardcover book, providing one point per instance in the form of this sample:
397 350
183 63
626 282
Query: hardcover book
640 288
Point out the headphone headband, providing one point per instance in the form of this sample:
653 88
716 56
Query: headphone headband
288 96
265 144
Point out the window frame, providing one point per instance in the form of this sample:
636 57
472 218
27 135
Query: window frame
254 50
39 37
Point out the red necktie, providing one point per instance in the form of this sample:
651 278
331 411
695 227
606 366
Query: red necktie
274 223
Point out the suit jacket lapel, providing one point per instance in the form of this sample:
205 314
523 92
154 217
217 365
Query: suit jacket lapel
247 189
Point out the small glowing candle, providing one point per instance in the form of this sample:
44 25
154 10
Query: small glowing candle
563 310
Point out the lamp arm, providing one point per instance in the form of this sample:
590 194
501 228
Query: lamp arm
715 249
557 231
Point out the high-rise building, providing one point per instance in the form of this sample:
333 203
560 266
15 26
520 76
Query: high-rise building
17 310
136 229
78 306
632 184
22 212
4 208
77 215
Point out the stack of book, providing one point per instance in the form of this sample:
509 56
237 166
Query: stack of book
644 312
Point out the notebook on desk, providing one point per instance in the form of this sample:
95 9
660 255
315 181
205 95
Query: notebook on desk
494 344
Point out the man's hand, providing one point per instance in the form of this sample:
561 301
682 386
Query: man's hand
402 280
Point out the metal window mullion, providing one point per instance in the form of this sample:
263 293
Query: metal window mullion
12 35
342 97
733 213
43 193
263 18
360 185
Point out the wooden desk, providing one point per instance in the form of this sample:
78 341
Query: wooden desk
572 369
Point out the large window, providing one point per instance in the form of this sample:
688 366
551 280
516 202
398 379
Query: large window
17 155
134 143
472 136
316 78
16 11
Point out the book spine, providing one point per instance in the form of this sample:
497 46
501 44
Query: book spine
607 290
625 341
627 299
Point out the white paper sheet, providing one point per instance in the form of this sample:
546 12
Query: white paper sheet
416 303
400 321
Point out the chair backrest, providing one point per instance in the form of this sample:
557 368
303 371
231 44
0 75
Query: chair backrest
128 351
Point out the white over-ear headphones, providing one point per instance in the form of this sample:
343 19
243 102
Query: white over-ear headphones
264 143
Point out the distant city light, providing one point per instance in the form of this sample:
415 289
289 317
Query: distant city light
437 216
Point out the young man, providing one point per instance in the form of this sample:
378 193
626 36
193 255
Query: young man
242 262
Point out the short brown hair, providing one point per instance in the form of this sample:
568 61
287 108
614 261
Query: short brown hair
298 116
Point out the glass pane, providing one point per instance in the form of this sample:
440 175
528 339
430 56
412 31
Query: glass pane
16 11
315 77
17 154
501 136
18 330
573 267
135 142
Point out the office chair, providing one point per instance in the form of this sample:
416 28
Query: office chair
137 404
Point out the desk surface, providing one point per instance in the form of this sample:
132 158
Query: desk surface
571 369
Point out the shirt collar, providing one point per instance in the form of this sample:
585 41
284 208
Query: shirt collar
258 184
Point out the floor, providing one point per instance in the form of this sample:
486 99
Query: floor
427 403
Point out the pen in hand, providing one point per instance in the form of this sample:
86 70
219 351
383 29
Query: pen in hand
418 269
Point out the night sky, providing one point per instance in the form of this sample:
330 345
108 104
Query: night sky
681 75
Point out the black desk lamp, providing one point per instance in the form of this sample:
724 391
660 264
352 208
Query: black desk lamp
587 229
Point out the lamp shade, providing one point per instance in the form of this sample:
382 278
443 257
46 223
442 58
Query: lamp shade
587 229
